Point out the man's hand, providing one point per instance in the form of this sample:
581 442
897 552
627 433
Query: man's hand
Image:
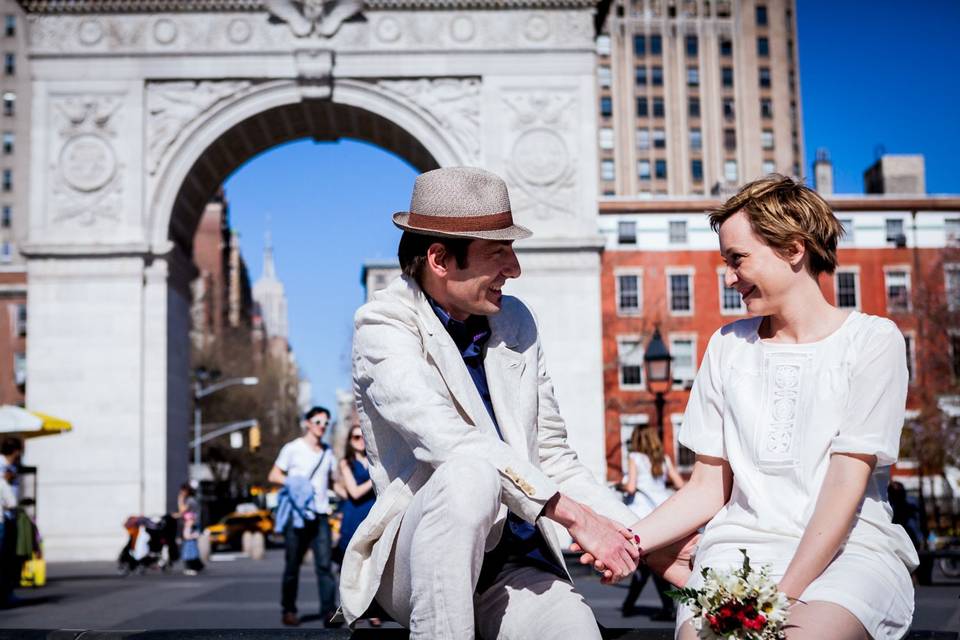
674 562
609 543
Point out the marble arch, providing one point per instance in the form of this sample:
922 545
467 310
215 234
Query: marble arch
140 108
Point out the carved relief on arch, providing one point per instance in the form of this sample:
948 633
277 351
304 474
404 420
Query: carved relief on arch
172 106
86 175
541 162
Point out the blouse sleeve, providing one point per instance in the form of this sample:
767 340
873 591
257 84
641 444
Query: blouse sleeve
873 419
702 427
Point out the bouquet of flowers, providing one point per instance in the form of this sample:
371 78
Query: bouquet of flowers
742 604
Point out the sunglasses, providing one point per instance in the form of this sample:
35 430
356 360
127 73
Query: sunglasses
356 436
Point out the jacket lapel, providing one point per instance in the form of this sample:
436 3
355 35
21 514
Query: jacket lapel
504 367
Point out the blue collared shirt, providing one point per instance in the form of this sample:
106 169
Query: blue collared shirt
522 542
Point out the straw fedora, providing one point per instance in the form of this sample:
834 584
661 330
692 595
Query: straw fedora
460 202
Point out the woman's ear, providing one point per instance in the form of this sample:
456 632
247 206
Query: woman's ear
796 253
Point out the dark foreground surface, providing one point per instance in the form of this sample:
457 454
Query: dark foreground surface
239 598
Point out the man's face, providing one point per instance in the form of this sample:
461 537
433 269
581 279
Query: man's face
477 288
317 424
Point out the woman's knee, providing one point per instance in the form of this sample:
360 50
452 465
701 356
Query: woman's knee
818 619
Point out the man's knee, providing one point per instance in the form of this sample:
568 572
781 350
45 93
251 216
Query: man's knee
469 487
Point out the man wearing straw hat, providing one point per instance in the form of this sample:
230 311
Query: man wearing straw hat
467 449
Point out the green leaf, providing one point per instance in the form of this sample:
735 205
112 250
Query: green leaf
746 563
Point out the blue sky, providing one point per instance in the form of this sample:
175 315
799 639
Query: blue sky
866 70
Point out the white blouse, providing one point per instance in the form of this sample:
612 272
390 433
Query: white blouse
776 412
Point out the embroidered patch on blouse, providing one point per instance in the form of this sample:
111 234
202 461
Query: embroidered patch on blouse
784 378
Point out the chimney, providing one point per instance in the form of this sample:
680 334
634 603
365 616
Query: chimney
896 174
823 173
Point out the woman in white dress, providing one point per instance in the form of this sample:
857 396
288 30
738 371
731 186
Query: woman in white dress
795 417
648 470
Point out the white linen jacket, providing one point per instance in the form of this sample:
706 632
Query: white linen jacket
418 407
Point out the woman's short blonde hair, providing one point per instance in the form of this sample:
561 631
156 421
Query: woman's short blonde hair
781 212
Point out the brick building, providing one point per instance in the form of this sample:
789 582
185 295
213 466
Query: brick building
900 258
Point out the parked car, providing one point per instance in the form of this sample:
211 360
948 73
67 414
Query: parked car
228 533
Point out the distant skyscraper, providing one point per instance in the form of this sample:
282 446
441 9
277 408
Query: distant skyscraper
268 293
696 97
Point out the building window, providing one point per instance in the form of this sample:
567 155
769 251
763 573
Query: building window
763 47
9 103
730 139
895 230
6 252
642 108
639 45
9 64
658 76
604 76
630 358
766 108
656 45
643 169
730 170
951 277
660 169
641 76
952 226
955 354
726 75
696 139
6 217
20 369
603 45
848 296
761 15
766 138
768 167
679 289
678 231
764 77
728 111
685 457
643 138
693 76
606 107
659 139
731 302
847 236
696 170
898 290
7 143
7 180
10 26
21 323
683 366
606 137
658 107
693 107
911 358
626 232
726 47
606 170
628 293
692 46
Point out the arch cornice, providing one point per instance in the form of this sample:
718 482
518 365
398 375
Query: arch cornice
198 136
201 6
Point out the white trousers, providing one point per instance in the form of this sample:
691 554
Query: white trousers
428 583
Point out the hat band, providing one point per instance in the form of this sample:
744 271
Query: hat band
490 222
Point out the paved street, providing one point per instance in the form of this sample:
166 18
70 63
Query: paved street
236 592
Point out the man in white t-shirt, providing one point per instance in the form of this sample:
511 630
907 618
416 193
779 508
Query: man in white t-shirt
304 464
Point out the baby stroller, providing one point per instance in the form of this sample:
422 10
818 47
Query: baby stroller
151 543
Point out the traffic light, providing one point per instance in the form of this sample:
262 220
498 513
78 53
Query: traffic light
254 437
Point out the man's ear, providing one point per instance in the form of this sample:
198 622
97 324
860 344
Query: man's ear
437 258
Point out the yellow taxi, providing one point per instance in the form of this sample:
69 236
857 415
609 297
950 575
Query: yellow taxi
228 533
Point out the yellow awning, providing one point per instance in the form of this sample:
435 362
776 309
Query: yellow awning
30 424
51 425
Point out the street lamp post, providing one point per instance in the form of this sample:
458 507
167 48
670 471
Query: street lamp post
656 361
200 392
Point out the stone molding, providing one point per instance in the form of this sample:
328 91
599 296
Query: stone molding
209 6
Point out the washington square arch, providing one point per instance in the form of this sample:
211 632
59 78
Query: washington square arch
140 110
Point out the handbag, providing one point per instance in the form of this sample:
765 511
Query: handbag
190 550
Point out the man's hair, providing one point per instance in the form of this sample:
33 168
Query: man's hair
10 445
782 211
314 411
412 252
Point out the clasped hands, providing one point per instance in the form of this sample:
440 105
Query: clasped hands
614 550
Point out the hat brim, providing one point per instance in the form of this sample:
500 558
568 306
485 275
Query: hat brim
513 232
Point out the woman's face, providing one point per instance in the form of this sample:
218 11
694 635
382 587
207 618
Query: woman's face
356 440
763 276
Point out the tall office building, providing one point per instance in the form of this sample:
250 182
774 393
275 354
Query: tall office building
696 96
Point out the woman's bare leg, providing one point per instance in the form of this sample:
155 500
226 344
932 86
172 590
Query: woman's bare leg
818 619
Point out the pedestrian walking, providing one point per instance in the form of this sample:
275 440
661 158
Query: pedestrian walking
10 564
304 467
192 564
